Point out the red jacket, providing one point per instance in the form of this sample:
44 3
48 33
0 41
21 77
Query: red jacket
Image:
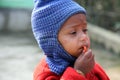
42 72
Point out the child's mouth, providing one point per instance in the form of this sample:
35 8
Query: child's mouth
83 49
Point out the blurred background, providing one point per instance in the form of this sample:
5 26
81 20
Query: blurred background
19 52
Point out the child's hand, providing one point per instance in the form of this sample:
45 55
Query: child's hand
85 62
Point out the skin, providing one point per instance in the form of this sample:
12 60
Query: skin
73 37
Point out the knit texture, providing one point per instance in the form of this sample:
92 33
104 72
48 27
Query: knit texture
48 16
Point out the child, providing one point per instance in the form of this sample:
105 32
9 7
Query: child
60 28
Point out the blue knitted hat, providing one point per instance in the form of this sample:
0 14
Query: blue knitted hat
47 18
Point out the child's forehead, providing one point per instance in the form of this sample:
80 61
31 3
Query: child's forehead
75 20
77 17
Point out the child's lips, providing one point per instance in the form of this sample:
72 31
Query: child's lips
83 49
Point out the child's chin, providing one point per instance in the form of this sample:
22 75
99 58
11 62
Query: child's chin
78 54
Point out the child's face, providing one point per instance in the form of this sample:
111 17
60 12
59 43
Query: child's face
73 35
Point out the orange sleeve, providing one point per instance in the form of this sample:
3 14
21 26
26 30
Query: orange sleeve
100 73
71 74
42 72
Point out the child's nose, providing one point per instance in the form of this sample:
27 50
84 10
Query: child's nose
82 37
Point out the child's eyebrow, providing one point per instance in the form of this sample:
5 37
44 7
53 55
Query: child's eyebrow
72 25
75 25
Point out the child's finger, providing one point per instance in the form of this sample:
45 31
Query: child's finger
88 54
92 57
92 60
81 55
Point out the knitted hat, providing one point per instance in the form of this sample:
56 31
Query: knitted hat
47 18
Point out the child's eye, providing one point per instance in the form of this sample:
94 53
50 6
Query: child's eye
85 30
73 32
